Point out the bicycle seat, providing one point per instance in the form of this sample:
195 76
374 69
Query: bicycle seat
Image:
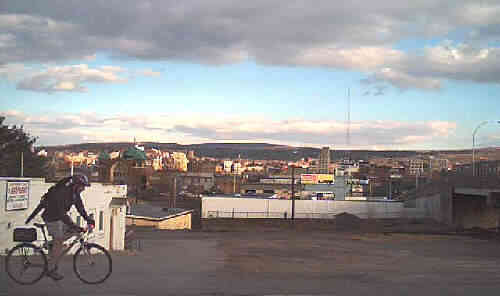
39 225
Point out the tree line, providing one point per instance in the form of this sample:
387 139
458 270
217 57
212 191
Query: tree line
16 149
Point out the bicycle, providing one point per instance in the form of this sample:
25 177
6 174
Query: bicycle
33 264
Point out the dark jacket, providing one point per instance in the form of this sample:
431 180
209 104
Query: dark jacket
57 202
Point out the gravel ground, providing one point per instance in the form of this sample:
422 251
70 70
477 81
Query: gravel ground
290 262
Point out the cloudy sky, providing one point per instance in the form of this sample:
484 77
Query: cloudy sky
420 75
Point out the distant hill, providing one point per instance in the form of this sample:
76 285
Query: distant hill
217 150
256 151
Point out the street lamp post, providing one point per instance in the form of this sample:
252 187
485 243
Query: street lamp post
474 143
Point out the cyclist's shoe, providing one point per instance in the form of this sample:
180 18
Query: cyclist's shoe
48 245
53 274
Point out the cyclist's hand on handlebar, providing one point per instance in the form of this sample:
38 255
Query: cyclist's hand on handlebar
89 228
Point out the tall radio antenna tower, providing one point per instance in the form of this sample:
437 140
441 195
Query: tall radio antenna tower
348 131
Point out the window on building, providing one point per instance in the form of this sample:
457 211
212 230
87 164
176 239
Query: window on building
101 220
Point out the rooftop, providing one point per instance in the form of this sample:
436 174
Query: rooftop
134 153
258 196
146 210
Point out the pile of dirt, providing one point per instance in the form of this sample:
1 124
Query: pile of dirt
347 222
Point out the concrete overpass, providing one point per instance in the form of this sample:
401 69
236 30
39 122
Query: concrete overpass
462 201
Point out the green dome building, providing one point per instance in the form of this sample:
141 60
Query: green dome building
135 154
103 156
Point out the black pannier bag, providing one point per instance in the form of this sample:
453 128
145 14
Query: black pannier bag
25 234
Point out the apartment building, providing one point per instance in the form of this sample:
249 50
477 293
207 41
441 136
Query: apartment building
180 161
196 182
416 166
324 160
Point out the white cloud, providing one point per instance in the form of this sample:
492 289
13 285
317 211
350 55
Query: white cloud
382 64
479 13
461 62
187 129
13 113
65 86
149 73
66 78
112 69
446 61
403 80
361 58
70 78
356 35
13 72
30 37
7 40
90 58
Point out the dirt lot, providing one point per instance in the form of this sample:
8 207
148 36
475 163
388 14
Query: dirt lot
288 261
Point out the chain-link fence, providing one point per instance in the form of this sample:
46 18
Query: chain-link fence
402 213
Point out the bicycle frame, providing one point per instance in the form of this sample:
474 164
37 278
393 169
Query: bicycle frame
83 257
80 239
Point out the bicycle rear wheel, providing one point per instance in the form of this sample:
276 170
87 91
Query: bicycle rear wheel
92 264
26 264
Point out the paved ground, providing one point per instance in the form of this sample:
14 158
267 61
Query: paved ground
290 263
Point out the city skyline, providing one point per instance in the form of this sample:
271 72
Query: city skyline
421 76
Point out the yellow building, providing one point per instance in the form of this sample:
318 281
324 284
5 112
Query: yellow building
180 161
146 215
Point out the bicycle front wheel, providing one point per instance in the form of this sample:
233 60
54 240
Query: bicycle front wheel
26 264
92 264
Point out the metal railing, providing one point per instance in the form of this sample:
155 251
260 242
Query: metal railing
238 215
409 213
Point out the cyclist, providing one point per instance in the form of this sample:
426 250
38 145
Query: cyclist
56 203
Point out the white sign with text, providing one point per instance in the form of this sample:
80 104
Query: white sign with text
18 193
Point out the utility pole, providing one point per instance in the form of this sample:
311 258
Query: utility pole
174 199
416 179
390 188
22 164
293 192
430 165
234 182
234 173
370 185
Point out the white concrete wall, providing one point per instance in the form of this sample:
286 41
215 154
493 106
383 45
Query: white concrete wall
213 207
119 228
95 198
